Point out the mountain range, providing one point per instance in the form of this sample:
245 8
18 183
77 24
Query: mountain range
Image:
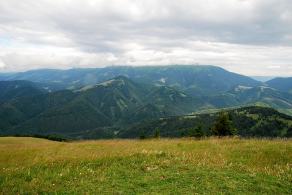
194 79
103 102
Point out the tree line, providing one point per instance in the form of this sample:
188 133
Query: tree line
223 126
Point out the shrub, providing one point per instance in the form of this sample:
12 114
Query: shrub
197 131
157 133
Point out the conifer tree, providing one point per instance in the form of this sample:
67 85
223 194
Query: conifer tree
223 125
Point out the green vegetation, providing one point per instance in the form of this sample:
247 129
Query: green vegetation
10 90
109 102
223 125
157 133
48 137
116 102
196 131
247 121
282 84
168 166
261 96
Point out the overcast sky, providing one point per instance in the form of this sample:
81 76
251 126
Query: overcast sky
251 37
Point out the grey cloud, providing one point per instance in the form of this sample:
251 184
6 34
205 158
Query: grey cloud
67 33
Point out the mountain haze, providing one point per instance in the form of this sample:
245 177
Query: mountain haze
282 84
193 79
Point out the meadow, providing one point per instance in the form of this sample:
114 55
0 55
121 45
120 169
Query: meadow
154 166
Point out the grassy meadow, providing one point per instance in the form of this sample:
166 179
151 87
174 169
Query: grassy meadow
161 166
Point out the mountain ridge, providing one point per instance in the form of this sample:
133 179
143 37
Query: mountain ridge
112 98
192 78
281 83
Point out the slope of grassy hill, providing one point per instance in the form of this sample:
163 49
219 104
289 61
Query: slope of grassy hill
165 166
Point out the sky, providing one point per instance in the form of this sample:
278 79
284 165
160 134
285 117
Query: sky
251 37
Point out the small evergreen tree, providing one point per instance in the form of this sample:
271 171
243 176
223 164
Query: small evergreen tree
182 134
223 125
197 131
142 135
157 133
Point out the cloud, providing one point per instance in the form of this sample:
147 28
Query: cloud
247 36
2 64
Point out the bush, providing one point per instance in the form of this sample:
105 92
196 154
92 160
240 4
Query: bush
197 131
157 133
142 135
52 137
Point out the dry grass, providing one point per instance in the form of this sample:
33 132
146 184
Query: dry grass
229 165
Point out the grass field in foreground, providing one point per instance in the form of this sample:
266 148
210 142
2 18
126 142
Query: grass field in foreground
166 166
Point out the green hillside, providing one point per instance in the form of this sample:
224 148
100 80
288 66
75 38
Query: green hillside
261 95
249 122
282 84
107 102
108 108
110 103
10 90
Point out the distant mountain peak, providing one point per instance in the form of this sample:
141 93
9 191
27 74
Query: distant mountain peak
282 84
116 81
119 82
242 88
